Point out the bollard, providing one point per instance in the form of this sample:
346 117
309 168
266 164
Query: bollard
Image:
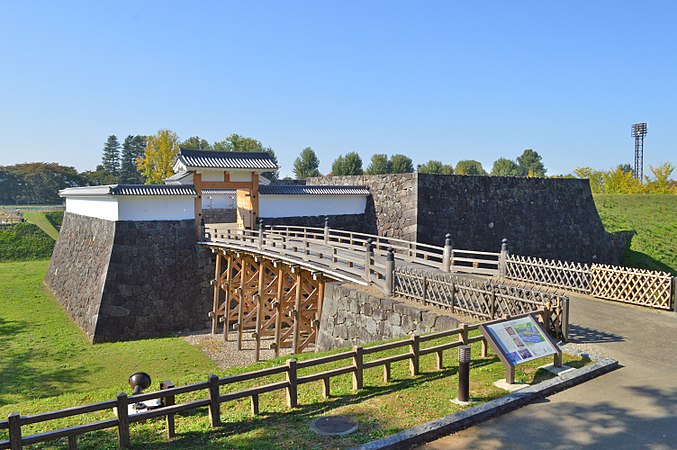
390 272
464 373
326 230
503 259
446 255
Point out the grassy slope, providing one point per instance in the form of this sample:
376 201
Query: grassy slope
45 354
39 219
24 241
654 220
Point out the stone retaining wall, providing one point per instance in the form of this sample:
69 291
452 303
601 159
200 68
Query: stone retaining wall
353 315
219 215
351 222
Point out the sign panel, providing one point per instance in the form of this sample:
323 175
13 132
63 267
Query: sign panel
520 340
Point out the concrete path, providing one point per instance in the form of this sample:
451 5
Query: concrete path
631 408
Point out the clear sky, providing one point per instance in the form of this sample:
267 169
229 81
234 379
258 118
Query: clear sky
445 80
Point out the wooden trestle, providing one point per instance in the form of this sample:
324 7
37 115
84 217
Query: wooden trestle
268 298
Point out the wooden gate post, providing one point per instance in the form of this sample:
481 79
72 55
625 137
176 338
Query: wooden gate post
446 256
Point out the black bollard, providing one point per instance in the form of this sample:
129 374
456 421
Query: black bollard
464 373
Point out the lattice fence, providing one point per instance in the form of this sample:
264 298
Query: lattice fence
481 299
559 274
636 286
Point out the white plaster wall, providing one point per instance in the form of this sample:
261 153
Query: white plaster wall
218 201
104 207
240 176
212 175
310 205
156 207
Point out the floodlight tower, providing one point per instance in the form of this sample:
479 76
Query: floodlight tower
638 132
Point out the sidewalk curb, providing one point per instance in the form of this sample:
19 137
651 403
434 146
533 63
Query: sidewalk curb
472 416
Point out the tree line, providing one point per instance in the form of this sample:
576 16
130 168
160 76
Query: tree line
619 180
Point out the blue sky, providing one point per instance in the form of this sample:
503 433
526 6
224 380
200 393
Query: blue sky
433 80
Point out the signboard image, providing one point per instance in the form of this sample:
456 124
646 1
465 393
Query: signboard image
520 340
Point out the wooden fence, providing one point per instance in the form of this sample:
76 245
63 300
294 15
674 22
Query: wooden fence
359 359
622 284
482 299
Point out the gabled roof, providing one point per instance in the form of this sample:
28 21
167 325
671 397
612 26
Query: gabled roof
211 159
290 189
129 189
180 178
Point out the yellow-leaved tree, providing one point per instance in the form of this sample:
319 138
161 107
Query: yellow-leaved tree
596 178
156 162
661 184
621 181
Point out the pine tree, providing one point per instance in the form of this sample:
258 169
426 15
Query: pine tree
379 164
132 149
306 165
111 156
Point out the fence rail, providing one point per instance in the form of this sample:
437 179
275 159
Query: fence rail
360 359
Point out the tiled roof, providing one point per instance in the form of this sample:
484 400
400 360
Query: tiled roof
282 189
129 189
177 177
212 159
219 191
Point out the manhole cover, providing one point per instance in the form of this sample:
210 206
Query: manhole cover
333 425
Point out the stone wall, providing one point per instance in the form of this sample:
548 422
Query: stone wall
219 215
130 280
350 222
353 315
391 207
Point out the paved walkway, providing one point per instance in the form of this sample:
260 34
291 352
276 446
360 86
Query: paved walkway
631 408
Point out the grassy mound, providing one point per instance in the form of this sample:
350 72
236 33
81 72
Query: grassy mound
653 219
55 218
40 219
24 241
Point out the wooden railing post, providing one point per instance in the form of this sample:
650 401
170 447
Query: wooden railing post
358 374
425 289
368 255
453 294
292 388
674 294
446 255
565 318
15 440
492 301
390 273
168 401
214 403
326 230
260 234
503 259
414 346
464 333
124 441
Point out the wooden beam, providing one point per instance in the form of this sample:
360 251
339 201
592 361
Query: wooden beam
217 292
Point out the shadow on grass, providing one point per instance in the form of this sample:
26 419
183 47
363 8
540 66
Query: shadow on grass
584 335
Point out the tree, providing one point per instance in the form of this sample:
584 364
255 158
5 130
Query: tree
470 167
196 143
237 143
41 182
132 149
596 178
351 164
10 187
379 164
530 164
618 181
156 162
111 156
626 167
435 167
306 165
99 177
661 184
401 164
504 167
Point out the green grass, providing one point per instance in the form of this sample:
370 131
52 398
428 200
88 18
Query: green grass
24 241
653 219
46 363
55 218
40 219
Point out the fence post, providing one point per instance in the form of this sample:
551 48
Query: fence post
464 333
503 259
414 345
390 272
565 318
492 304
425 289
367 258
14 419
260 234
168 401
453 293
674 294
124 440
446 255
358 375
292 397
326 230
214 404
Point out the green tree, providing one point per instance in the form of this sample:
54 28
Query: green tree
196 143
618 181
661 184
99 177
470 167
435 167
10 187
237 143
306 165
401 164
351 164
379 164
530 164
132 149
41 182
158 158
504 167
111 156
596 178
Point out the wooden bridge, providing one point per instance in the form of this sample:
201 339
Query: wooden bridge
271 281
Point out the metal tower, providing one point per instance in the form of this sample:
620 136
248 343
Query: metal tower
638 132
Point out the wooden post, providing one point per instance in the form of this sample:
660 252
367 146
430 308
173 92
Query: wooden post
414 346
320 298
73 442
278 309
260 234
124 441
296 339
358 373
390 273
492 301
446 255
259 321
425 289
368 254
453 294
438 360
255 404
292 395
217 293
214 403
226 297
326 230
503 259
386 372
464 333
168 401
15 439
326 387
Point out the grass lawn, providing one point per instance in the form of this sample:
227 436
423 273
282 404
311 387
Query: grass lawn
654 220
46 363
39 219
